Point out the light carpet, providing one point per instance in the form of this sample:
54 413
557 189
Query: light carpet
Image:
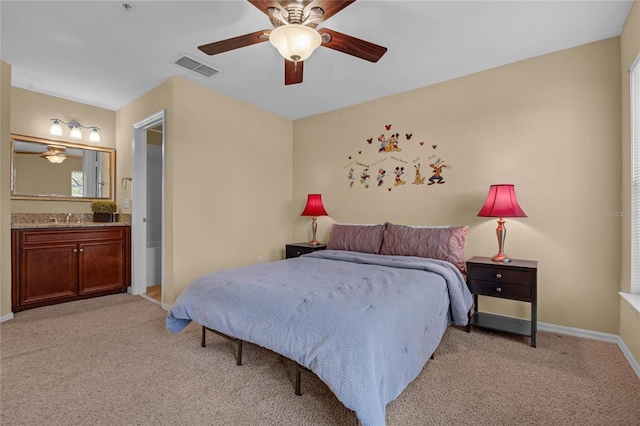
110 361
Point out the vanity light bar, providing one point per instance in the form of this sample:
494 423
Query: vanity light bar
76 132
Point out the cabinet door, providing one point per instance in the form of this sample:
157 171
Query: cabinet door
101 266
48 272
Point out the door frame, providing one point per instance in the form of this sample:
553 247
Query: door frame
139 206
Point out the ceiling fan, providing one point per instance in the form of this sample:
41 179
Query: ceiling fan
295 35
55 154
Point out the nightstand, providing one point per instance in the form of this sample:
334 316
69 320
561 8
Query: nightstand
298 249
516 280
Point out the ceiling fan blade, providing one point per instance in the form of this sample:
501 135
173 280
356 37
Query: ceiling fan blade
234 43
293 72
264 5
330 7
353 46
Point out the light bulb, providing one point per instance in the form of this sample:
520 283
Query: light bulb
94 136
75 133
56 128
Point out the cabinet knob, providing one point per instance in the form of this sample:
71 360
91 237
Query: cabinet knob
499 289
298 253
81 250
498 275
75 250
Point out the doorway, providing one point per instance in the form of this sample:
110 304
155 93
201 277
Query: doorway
148 213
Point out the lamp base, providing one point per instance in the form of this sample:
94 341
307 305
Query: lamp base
313 242
501 257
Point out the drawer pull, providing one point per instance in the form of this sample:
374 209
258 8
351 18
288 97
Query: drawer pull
298 253
499 289
498 275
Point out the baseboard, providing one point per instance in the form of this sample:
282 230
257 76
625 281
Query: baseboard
625 350
593 335
6 317
578 332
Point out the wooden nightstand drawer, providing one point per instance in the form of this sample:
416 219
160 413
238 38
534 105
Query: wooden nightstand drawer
503 290
298 249
500 275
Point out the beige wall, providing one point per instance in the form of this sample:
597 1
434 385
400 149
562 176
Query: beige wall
550 125
31 114
5 176
229 169
629 51
232 180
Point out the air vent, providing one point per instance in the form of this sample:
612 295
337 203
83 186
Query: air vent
195 66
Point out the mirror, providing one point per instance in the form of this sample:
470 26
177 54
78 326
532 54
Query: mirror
46 169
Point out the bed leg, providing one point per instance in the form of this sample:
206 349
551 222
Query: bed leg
233 339
298 380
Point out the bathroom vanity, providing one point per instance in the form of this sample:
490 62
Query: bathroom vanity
55 263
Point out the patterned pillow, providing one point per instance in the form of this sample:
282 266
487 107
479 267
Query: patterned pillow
435 243
361 238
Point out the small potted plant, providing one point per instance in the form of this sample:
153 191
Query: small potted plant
104 211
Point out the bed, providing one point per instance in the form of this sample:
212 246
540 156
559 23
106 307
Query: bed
364 321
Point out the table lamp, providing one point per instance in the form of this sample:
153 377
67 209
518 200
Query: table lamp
314 208
501 202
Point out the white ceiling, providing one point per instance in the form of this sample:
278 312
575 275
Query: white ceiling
97 53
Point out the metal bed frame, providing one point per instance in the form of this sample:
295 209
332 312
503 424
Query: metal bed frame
299 368
203 343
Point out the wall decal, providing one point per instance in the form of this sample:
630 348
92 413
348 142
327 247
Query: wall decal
389 144
351 177
399 172
364 178
437 167
382 173
419 180
398 157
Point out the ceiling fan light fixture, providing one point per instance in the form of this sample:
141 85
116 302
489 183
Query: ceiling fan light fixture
295 42
55 154
56 158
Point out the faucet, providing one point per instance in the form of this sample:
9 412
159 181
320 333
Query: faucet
68 218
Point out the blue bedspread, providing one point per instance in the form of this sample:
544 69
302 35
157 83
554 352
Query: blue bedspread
364 324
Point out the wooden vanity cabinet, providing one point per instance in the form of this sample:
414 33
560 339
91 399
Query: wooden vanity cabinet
60 265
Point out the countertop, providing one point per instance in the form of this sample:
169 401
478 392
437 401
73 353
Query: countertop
67 225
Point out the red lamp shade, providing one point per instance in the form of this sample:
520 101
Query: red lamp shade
501 202
314 206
